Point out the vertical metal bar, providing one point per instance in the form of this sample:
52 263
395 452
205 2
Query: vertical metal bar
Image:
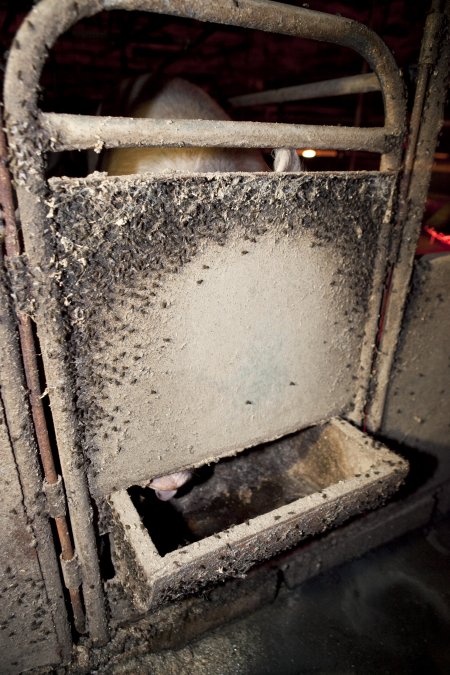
27 345
37 34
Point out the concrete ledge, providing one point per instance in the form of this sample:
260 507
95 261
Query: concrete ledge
368 474
353 540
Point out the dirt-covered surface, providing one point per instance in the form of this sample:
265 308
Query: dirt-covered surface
229 493
207 314
417 406
355 613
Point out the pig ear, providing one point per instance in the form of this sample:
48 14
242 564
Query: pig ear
165 495
286 159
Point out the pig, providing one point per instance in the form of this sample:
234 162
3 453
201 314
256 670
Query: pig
179 99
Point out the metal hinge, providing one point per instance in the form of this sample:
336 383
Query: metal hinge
56 508
55 498
71 572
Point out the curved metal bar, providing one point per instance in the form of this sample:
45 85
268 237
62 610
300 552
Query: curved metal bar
51 18
284 19
28 53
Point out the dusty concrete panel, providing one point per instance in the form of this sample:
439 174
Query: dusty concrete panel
208 314
417 411
183 620
406 564
368 474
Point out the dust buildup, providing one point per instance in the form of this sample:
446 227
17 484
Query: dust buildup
26 142
117 240
21 283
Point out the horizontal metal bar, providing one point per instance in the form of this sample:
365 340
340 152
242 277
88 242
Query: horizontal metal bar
355 84
83 132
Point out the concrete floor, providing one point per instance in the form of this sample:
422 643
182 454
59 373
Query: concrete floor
388 612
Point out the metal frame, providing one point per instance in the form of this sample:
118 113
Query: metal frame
31 133
82 132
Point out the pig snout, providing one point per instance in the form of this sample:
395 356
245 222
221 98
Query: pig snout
166 487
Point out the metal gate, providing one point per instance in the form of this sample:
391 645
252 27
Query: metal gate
183 319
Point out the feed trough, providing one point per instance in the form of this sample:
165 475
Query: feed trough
247 510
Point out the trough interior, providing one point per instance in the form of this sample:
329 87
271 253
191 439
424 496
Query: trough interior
253 483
